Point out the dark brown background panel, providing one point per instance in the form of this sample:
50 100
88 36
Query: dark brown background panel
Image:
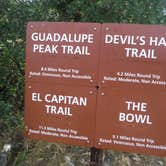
143 131
61 67
71 122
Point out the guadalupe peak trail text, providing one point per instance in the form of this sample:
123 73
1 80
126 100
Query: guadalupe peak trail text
61 43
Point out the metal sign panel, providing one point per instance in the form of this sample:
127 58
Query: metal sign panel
63 53
62 114
130 120
131 101
133 54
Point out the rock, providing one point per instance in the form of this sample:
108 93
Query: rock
3 159
68 161
107 162
7 148
161 163
84 162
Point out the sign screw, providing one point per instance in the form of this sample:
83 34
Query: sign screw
31 26
88 141
102 94
91 92
29 86
91 80
107 28
95 28
29 76
99 143
103 81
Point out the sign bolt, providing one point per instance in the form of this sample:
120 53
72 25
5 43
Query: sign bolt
29 86
99 143
31 26
91 80
95 28
88 141
91 92
107 28
103 81
29 76
102 93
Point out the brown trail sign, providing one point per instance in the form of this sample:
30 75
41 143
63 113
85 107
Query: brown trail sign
63 53
65 62
59 113
130 107
61 74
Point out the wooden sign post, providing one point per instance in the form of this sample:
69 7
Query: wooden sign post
96 157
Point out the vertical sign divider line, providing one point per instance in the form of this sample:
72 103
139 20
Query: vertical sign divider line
96 155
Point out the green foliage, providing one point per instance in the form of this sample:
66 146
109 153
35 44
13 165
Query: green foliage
9 119
121 11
